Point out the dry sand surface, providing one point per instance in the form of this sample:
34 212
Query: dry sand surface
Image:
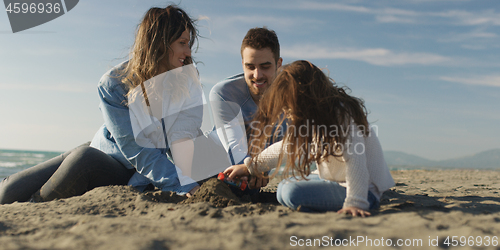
424 208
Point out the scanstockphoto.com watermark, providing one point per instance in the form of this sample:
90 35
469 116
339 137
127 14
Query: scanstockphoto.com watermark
366 241
26 14
351 132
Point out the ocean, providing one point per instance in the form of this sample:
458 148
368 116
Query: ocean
13 161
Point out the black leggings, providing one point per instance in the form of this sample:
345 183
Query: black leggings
70 174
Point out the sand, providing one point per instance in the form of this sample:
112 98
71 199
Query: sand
422 210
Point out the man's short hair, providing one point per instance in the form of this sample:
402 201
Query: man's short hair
260 38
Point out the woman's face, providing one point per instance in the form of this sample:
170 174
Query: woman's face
180 50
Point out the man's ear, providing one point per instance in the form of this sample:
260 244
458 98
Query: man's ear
280 61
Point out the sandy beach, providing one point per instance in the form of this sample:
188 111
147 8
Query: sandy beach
426 209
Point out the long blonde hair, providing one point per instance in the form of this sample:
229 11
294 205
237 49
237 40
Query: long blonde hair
159 28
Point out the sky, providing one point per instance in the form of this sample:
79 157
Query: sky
428 70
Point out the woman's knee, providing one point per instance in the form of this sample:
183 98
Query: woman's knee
95 167
11 192
85 152
84 157
4 192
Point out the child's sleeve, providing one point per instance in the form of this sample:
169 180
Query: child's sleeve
357 175
267 159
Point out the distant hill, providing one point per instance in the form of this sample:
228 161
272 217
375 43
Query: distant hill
489 159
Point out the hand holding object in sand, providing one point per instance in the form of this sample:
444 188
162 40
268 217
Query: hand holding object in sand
257 182
241 171
239 183
236 171
354 211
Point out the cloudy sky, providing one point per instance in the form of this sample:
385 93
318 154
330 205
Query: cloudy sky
429 71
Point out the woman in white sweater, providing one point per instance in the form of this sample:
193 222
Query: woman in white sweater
326 126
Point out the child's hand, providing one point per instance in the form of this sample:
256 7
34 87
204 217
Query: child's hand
236 171
354 211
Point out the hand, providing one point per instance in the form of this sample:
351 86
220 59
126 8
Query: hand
191 193
236 171
257 182
354 211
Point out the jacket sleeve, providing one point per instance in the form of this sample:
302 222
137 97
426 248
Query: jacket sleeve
151 163
230 127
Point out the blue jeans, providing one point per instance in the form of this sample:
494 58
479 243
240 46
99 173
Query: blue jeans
315 195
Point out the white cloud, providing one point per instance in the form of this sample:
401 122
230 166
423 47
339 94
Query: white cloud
471 18
375 56
434 1
46 52
225 33
490 80
332 6
16 50
66 88
397 15
282 22
394 19
385 97
468 36
474 46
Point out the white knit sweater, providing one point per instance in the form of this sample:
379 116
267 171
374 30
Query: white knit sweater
361 168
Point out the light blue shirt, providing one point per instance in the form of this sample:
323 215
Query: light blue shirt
116 138
233 109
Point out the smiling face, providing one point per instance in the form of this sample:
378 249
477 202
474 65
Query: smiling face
180 50
259 68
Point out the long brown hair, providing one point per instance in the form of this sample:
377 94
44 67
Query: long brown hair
159 28
317 112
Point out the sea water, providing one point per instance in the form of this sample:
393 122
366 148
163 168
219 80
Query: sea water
13 161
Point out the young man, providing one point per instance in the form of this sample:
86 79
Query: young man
235 99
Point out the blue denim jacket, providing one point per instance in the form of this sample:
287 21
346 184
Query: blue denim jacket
116 139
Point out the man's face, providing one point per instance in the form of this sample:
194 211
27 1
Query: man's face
259 68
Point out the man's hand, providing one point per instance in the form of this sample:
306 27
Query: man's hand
354 211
